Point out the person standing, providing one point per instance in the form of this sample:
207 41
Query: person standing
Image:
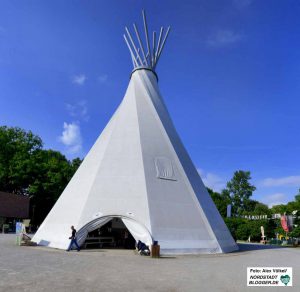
73 240
126 239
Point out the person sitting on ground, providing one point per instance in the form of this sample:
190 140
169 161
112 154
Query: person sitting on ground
73 240
142 248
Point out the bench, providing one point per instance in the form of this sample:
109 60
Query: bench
100 241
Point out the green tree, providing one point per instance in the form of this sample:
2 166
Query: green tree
261 209
249 206
221 201
297 197
243 231
295 232
27 169
288 208
241 228
16 149
279 209
75 163
51 175
240 191
232 224
255 229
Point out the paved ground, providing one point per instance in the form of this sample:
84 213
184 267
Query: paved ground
43 269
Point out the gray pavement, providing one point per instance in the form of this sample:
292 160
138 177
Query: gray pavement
45 269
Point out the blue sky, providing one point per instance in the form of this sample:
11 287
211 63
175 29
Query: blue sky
229 75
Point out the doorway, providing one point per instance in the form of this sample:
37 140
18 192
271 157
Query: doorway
113 235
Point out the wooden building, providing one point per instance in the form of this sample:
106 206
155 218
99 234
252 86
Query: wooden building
12 209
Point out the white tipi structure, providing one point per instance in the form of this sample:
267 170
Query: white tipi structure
139 171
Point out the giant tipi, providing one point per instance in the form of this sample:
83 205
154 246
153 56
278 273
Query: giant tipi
139 171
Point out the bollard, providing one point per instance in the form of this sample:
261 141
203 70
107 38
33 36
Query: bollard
155 251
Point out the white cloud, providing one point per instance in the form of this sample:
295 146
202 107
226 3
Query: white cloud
71 109
103 78
79 79
71 137
282 181
223 38
78 110
212 180
274 199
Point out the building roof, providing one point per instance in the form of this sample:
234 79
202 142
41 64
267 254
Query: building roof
14 206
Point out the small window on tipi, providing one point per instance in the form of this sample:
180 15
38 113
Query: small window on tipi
164 168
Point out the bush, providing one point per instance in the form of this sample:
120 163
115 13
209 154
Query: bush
295 232
241 229
233 224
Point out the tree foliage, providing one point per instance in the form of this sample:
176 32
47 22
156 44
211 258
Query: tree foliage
261 209
221 201
241 228
279 209
295 232
240 191
297 197
254 207
52 173
232 225
27 169
16 150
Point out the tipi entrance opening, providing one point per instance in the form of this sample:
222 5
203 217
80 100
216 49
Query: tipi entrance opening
112 234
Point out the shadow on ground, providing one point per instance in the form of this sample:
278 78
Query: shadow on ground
252 246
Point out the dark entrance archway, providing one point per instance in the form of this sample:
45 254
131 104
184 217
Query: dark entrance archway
113 234
134 228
